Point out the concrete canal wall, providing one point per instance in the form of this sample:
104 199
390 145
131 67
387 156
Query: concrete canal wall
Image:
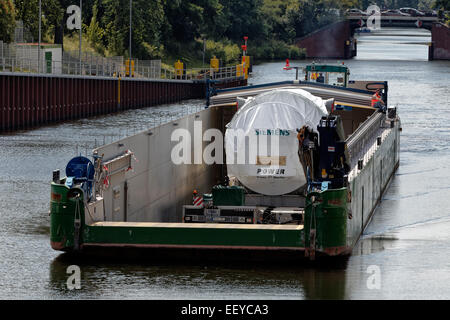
333 41
440 42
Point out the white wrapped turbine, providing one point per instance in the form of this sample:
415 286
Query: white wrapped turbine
262 123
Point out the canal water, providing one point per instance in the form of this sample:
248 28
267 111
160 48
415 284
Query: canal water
403 254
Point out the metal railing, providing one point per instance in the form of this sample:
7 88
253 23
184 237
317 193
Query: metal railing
22 58
225 73
364 135
90 65
148 69
57 67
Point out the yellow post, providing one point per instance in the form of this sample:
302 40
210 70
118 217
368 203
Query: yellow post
246 63
239 70
127 68
215 64
118 94
179 68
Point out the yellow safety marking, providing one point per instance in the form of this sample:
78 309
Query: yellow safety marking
119 91
351 105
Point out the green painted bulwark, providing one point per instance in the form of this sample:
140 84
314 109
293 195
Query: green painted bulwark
189 236
326 222
326 216
62 218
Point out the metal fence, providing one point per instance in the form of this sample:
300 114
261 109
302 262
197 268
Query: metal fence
22 34
150 69
24 58
91 65
225 73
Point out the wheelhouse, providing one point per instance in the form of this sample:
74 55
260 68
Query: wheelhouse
331 75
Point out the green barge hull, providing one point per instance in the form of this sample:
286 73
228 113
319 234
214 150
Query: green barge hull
327 216
130 214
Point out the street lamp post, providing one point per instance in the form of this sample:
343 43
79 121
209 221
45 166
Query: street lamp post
81 29
129 61
245 51
204 50
39 40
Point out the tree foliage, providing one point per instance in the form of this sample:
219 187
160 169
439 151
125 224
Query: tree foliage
160 27
7 20
442 4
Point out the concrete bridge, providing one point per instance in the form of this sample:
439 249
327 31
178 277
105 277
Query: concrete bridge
337 41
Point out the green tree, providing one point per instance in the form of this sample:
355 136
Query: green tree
189 19
443 8
28 12
7 20
276 14
148 21
305 16
54 11
95 32
245 18
115 21
442 5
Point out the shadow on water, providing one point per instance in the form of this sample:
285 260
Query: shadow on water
42 230
321 279
374 243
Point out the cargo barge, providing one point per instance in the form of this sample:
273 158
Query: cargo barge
312 197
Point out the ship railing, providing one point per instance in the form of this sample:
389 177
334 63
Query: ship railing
364 135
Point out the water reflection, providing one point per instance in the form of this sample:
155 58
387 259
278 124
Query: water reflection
121 278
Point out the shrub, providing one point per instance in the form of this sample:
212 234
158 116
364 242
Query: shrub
276 50
225 51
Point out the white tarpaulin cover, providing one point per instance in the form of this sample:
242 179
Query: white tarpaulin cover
268 120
